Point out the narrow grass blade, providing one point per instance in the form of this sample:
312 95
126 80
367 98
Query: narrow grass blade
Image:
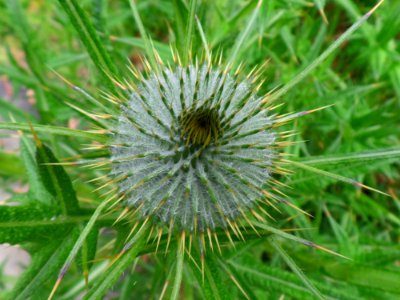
99 137
45 264
352 157
336 177
293 266
203 39
244 289
242 37
345 36
147 43
320 5
91 40
265 277
118 267
189 32
74 251
161 48
178 270
294 238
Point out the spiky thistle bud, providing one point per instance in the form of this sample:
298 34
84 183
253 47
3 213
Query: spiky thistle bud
194 148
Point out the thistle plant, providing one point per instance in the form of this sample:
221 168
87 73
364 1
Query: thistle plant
188 158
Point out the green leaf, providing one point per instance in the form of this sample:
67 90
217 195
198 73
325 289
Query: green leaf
367 279
147 44
37 190
32 222
162 49
243 36
45 263
11 166
291 263
178 270
56 180
367 276
189 32
212 283
324 55
91 40
272 279
103 285
335 176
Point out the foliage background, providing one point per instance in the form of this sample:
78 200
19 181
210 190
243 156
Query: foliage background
357 138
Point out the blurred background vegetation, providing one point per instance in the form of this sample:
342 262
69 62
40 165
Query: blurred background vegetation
358 137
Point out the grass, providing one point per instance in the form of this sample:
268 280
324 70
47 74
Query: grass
345 170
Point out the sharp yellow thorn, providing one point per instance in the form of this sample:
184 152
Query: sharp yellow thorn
159 238
210 239
233 228
53 291
182 242
86 113
247 220
258 217
229 238
150 234
124 212
239 286
327 250
190 242
104 186
132 230
164 289
117 201
217 242
171 223
266 213
203 241
202 267
238 230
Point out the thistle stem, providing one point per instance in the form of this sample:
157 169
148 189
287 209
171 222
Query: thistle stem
179 269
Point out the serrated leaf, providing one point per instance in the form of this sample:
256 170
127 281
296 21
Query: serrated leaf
371 277
257 274
44 266
56 180
104 283
32 222
214 284
37 190
89 37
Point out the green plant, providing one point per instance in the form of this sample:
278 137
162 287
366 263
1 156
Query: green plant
60 222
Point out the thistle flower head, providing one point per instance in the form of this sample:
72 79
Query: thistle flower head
193 148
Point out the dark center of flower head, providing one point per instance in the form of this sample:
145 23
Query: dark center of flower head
200 126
